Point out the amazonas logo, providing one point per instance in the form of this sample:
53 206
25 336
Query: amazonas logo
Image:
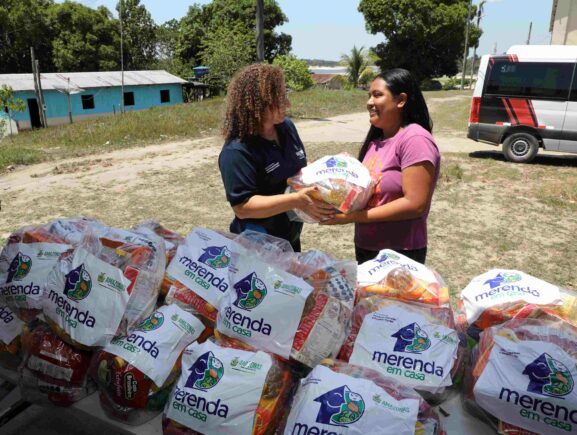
78 284
205 373
152 322
250 292
389 256
217 257
549 377
19 267
335 162
340 407
411 339
503 278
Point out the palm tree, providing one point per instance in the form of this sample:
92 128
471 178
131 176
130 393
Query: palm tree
356 62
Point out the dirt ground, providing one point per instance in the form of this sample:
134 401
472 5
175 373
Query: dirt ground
472 225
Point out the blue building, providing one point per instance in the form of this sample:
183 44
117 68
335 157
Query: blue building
91 94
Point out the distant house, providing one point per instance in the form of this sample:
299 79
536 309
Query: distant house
563 25
91 94
329 81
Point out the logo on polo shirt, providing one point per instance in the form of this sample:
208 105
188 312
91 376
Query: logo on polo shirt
300 154
272 167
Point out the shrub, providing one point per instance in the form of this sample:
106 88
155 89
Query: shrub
297 75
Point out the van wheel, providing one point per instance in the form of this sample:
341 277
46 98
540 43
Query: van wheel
520 147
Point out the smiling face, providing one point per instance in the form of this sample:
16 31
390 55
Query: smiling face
385 109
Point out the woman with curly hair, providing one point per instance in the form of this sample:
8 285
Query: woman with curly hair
262 149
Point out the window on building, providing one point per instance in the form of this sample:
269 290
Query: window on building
165 96
129 98
547 80
87 102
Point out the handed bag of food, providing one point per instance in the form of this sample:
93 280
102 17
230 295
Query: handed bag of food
10 330
499 294
346 399
53 372
135 373
393 275
523 377
198 274
341 180
25 263
224 391
416 345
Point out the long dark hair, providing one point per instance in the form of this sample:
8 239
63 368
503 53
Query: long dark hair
415 111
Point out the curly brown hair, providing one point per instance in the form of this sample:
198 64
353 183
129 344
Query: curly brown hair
252 91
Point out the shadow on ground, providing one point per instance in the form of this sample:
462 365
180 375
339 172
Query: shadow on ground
547 160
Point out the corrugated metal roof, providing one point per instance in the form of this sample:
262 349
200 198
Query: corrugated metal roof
86 80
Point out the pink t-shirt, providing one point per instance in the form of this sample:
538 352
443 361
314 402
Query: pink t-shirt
386 159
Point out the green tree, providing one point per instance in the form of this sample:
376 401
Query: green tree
84 39
139 33
424 36
9 104
356 62
296 72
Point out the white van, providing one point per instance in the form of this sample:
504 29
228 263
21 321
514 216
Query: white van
526 100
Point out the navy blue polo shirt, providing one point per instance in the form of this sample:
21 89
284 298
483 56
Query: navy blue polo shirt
261 167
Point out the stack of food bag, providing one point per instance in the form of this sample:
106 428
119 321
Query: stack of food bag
10 330
135 373
172 239
522 377
501 294
225 390
340 180
340 398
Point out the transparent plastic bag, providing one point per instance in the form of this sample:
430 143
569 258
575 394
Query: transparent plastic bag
521 377
341 180
172 239
10 330
337 394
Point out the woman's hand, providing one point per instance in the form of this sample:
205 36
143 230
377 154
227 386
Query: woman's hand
318 210
339 219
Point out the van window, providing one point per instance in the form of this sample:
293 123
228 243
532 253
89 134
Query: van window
530 79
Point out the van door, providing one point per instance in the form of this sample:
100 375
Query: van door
568 142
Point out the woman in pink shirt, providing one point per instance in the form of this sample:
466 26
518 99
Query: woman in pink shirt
404 160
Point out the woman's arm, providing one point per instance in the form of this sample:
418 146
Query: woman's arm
418 181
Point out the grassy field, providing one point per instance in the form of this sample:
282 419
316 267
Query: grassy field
186 121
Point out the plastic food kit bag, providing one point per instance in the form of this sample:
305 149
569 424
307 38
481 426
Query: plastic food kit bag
523 377
10 330
226 391
500 294
341 180
198 274
416 345
135 373
338 398
53 372
25 263
393 275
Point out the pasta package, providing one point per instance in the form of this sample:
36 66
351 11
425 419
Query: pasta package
10 330
341 180
393 275
500 294
135 373
224 390
415 345
522 377
346 399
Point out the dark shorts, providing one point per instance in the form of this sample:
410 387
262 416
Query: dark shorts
364 255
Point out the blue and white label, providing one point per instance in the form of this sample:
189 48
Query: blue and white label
10 325
341 167
530 384
332 403
219 389
502 286
401 343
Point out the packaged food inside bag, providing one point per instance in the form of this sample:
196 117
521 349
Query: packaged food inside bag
10 330
346 399
223 390
341 180
416 345
172 239
522 377
393 275
53 372
500 294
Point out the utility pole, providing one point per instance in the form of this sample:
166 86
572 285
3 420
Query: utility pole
495 48
37 88
260 30
479 14
466 50
121 59
529 35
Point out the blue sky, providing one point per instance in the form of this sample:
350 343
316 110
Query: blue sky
324 29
